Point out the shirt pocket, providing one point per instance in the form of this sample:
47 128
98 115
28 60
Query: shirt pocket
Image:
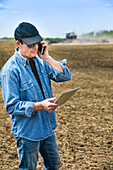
46 76
28 91
44 73
26 85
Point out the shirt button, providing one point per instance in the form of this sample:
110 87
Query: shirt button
44 111
27 87
40 94
30 69
24 64
34 77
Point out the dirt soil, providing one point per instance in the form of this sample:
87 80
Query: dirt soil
85 123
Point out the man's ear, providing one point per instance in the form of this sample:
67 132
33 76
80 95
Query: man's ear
17 42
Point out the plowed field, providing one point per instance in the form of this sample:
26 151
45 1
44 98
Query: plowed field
85 123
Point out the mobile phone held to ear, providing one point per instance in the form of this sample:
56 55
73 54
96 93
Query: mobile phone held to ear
41 49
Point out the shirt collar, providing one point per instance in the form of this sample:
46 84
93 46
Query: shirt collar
39 59
20 57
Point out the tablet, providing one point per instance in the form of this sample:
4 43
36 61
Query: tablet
66 95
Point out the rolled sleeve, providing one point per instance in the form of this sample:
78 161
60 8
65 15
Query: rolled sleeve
29 109
60 76
63 63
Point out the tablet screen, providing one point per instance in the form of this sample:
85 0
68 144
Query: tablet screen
65 96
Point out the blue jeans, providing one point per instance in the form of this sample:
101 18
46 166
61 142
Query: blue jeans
28 153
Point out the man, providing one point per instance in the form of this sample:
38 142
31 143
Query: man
29 100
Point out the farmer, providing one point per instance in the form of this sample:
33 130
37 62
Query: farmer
27 93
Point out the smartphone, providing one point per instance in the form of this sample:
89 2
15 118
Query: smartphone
41 49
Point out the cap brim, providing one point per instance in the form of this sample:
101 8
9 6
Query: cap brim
32 40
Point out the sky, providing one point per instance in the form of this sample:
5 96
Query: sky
55 18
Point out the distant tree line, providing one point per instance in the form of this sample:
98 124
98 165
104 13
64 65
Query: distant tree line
7 38
48 39
99 34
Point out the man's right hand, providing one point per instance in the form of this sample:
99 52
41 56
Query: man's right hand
46 104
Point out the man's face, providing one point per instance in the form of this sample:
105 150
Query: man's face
27 52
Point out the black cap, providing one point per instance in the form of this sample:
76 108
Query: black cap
27 33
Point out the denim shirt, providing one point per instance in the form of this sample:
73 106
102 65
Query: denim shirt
20 91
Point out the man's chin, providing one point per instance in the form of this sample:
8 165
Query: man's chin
34 54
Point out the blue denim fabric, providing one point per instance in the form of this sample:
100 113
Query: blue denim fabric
28 153
20 90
